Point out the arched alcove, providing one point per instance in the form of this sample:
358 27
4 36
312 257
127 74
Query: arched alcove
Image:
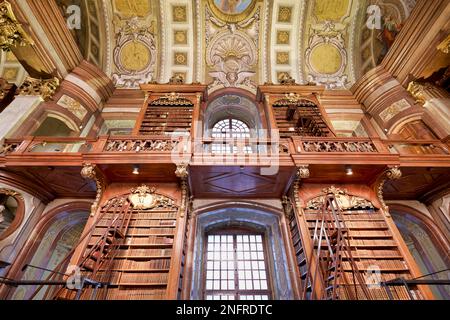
229 106
54 126
239 221
56 236
427 246
12 210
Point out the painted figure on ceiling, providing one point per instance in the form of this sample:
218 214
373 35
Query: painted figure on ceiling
232 6
391 29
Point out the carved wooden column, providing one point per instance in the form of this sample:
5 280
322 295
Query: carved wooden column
178 261
308 246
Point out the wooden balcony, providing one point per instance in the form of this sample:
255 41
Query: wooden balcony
295 151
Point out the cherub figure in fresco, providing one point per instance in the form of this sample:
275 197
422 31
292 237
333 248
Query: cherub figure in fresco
230 6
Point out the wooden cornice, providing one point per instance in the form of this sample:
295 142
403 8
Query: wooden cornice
152 88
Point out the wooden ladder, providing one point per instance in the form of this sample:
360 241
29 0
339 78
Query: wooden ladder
330 245
97 261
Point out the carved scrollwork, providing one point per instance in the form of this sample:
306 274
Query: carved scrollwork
393 173
147 145
11 32
339 146
182 173
45 88
89 172
145 198
11 193
343 198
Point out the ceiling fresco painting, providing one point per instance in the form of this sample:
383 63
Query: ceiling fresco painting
234 43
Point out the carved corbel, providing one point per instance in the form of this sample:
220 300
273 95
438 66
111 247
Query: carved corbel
302 173
89 171
393 173
45 88
183 174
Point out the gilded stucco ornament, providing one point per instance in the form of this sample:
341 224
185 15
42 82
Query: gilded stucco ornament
11 32
89 172
393 173
145 198
418 91
135 55
45 88
444 46
182 173
326 57
343 199
232 52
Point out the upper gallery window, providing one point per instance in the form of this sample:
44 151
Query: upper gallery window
236 267
230 129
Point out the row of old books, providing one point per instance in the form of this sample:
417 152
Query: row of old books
370 233
375 264
125 253
150 231
141 294
152 215
348 292
356 224
370 253
372 243
138 265
152 223
147 278
156 240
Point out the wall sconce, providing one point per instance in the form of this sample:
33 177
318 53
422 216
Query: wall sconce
136 170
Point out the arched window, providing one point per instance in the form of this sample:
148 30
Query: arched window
429 255
230 129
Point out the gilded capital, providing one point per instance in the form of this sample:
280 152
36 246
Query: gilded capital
45 88
11 31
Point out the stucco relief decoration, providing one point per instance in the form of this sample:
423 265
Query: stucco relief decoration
344 200
394 110
145 198
326 57
73 106
232 52
135 54
11 32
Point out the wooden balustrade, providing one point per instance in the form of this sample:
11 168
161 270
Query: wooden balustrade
335 145
299 148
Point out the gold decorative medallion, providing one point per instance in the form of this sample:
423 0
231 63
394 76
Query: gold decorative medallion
143 198
135 56
284 14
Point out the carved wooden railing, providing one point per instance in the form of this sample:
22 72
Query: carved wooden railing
337 145
243 146
183 144
418 147
47 145
144 144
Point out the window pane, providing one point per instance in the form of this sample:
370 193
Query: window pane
223 281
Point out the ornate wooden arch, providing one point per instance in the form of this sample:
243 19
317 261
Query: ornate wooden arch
20 212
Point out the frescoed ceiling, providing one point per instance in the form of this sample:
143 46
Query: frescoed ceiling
237 43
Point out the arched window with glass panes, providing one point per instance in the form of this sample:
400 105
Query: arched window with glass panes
226 133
